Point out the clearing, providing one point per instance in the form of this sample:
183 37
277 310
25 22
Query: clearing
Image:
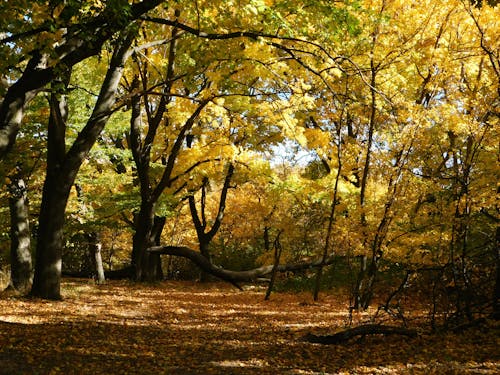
192 328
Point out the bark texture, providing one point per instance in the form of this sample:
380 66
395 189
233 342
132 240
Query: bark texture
62 168
20 237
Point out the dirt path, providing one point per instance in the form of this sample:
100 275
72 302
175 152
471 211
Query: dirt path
188 328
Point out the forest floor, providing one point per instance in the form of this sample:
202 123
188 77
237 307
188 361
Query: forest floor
192 328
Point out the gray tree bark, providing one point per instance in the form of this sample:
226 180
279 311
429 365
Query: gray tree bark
95 246
20 237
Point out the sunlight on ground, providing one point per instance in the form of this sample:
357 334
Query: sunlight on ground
254 362
189 328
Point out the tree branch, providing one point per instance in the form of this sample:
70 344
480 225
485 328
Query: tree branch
234 277
363 330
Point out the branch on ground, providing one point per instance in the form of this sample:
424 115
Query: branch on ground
363 330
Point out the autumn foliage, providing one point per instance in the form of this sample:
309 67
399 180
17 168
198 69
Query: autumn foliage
345 147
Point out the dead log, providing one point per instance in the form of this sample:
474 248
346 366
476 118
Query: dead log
234 277
363 330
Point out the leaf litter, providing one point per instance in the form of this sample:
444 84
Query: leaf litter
193 328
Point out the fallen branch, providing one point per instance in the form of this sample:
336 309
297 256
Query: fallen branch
233 277
350 333
473 324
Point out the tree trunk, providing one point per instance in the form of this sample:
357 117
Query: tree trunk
20 237
142 240
56 189
367 292
200 222
331 219
358 288
277 256
148 229
361 291
205 251
62 169
154 259
496 293
96 257
47 278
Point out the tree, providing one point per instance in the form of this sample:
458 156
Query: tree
63 166
200 218
20 236
74 42
208 90
22 172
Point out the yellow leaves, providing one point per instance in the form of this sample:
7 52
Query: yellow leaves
317 139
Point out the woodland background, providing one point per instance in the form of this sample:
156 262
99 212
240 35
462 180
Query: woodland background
313 144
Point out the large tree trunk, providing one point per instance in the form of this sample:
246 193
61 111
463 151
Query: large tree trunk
155 259
205 251
56 189
62 169
47 278
147 265
148 228
142 240
20 237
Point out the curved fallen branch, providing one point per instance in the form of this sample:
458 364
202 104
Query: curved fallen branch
363 330
233 277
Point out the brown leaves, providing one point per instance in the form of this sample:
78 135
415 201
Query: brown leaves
189 328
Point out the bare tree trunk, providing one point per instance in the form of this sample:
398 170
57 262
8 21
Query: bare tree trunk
20 237
277 255
199 219
62 168
56 188
95 246
496 295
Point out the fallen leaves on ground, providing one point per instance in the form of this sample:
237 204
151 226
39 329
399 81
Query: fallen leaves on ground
192 328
